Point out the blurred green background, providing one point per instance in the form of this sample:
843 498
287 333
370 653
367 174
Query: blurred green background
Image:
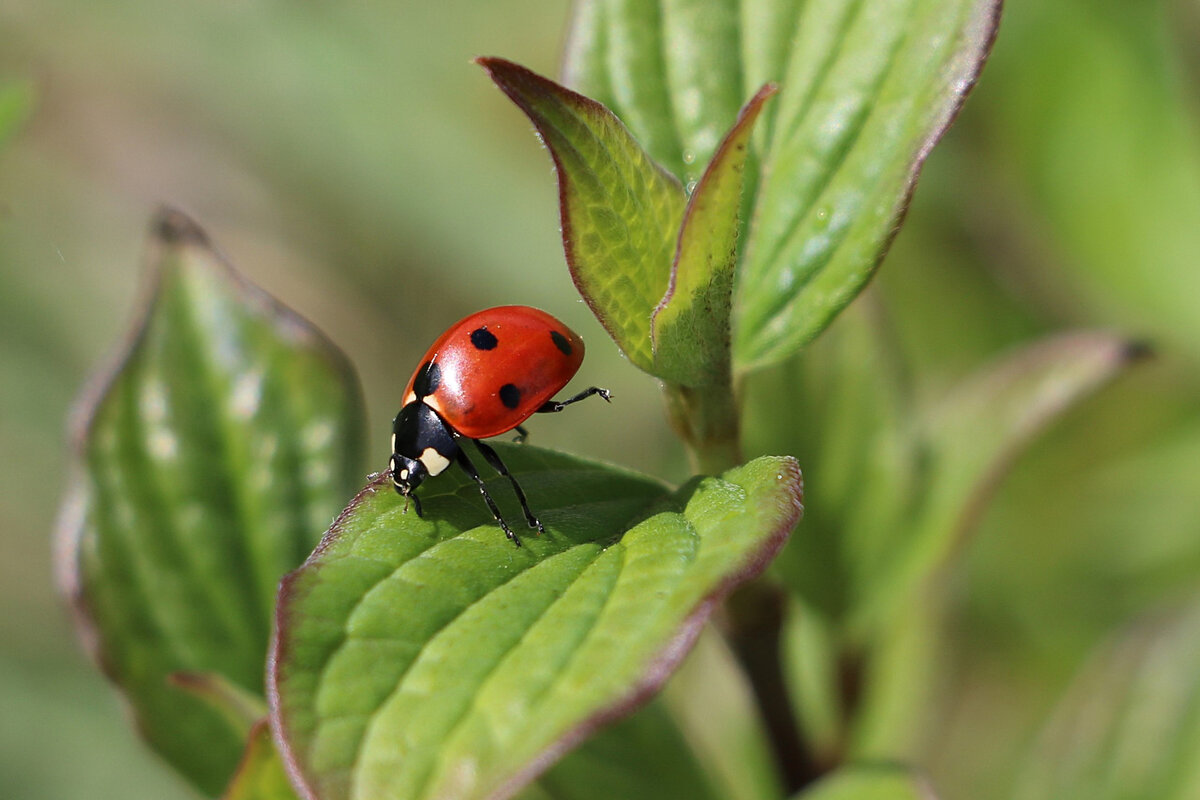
351 160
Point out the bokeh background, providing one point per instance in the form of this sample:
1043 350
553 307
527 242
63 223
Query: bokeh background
351 160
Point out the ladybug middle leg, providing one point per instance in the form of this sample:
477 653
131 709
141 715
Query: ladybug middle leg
469 468
551 406
493 458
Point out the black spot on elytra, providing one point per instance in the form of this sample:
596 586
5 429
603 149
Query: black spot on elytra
561 342
429 377
510 395
483 339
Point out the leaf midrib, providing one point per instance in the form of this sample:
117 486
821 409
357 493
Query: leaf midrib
436 767
351 610
780 301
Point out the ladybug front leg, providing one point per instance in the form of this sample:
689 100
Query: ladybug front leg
551 406
493 458
469 468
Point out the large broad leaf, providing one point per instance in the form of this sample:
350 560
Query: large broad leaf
866 88
428 657
869 783
210 459
1129 728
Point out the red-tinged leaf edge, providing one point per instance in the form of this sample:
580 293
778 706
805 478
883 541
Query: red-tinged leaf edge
746 118
507 74
1120 353
982 30
170 228
659 669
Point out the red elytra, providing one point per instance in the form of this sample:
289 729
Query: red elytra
483 377
497 367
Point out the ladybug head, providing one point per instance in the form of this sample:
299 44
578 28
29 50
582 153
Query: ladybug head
407 474
422 445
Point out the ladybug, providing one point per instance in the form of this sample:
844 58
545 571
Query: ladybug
483 377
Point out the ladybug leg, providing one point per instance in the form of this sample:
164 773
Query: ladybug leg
522 434
550 406
469 468
416 502
493 458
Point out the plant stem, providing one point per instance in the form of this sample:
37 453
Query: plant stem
754 616
706 419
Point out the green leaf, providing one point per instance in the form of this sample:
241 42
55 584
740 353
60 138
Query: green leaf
16 102
260 775
809 650
973 437
897 487
1129 726
690 325
643 757
240 708
869 783
620 211
866 89
210 459
900 684
428 657
843 407
670 71
712 700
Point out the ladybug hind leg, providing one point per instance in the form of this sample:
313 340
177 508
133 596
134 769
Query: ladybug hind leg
493 458
552 406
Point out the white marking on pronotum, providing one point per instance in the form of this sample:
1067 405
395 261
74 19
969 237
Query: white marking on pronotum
434 461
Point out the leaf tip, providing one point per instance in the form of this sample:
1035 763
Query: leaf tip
507 74
1136 350
171 226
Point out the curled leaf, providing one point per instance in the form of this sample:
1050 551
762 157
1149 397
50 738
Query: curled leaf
620 211
866 87
209 460
690 324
